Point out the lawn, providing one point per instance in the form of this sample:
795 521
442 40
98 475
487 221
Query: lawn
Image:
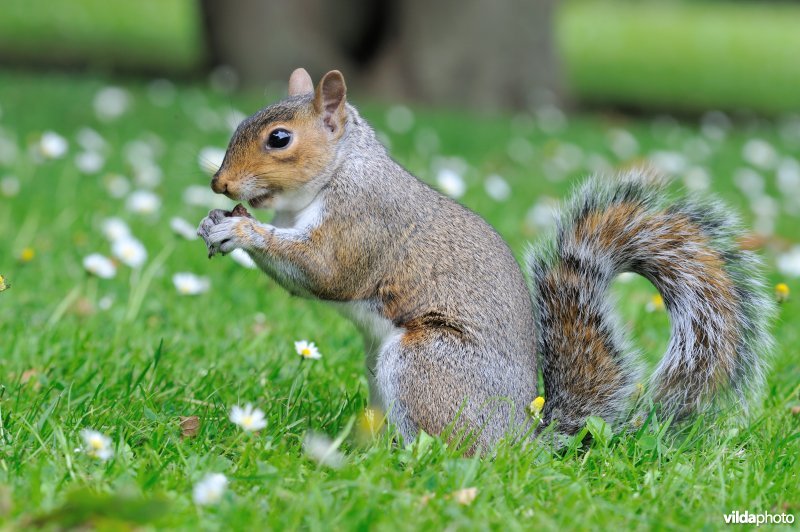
129 355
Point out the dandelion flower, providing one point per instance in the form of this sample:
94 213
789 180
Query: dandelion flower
98 265
183 228
655 304
27 254
96 444
130 251
143 202
307 349
249 418
4 284
370 423
322 450
536 406
210 489
189 284
782 292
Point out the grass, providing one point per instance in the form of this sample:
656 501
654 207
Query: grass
131 371
682 55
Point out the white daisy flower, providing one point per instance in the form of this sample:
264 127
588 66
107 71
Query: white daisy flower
147 174
451 182
243 258
98 265
111 102
210 489
115 229
249 418
52 145
189 284
91 140
143 202
210 159
760 154
96 444
183 228
117 186
322 450
105 302
542 216
307 349
130 251
697 178
200 196
399 119
623 143
497 188
161 92
89 162
789 262
9 186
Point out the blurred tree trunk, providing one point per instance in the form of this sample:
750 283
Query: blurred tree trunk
481 53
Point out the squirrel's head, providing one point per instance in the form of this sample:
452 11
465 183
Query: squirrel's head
286 145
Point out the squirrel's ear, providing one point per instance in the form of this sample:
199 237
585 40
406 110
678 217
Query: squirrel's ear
329 99
300 82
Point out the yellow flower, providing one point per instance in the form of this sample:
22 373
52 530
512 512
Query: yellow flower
3 284
782 292
536 406
27 255
655 304
370 423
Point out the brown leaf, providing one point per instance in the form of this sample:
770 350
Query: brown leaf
190 426
795 410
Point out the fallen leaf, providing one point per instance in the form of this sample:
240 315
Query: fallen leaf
190 426
464 496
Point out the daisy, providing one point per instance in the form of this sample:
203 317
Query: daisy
116 185
96 444
789 262
98 265
249 418
130 251
189 284
52 145
243 258
115 229
497 188
143 202
210 159
89 162
451 182
4 284
210 489
9 186
111 102
183 228
322 450
307 349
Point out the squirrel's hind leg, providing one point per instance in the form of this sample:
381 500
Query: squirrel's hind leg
427 383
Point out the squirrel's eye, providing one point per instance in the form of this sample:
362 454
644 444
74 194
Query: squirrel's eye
279 138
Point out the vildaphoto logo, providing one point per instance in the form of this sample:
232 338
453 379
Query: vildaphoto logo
764 518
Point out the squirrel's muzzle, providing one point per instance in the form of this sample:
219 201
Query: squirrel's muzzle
217 186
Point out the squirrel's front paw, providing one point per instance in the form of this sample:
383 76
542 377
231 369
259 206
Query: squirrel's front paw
222 233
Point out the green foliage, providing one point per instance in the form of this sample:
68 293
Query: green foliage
132 374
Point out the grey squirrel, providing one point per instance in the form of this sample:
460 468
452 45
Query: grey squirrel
451 330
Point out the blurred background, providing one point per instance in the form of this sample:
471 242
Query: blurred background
682 56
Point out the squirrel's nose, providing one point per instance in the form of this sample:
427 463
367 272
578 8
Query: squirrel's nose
218 187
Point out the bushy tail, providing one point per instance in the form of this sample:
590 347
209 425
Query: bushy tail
712 290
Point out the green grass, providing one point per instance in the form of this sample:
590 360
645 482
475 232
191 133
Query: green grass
132 377
682 55
154 35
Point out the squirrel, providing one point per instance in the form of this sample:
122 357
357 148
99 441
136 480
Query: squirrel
452 330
